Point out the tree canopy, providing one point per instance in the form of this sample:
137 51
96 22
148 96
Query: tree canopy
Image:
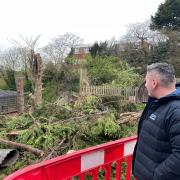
167 16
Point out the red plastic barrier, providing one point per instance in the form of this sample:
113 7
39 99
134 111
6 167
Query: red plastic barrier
107 161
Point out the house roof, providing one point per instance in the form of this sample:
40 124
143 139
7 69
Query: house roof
4 93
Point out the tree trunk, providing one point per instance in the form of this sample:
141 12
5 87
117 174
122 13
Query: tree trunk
22 146
36 71
38 90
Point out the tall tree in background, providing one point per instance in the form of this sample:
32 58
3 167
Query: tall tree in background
136 44
167 20
167 16
60 46
141 46
24 51
140 36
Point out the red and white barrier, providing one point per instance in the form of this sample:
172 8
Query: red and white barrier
83 162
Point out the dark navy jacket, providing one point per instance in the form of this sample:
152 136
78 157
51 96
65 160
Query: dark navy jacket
157 151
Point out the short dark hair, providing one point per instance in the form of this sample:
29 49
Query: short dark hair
166 72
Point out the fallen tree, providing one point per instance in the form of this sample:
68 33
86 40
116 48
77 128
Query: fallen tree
23 146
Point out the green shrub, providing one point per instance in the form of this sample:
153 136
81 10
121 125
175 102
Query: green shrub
88 104
50 91
20 122
107 127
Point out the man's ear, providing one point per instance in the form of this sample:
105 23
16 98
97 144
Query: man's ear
155 83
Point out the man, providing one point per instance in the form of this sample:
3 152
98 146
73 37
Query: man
157 151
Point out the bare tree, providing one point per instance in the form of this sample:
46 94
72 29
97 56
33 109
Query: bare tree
33 65
24 49
32 43
10 59
141 37
59 47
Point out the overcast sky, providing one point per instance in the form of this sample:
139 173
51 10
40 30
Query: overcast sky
92 20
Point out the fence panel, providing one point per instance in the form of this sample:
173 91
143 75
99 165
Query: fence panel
128 94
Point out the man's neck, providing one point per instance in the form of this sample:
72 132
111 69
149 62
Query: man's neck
164 92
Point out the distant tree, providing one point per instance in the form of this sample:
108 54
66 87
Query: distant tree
60 47
140 36
11 63
58 53
8 75
103 49
106 48
113 47
94 49
11 58
33 65
23 50
134 57
158 53
99 49
15 60
167 21
139 45
167 16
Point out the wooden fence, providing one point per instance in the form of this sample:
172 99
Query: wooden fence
177 79
129 94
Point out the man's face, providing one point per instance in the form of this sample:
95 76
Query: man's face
151 83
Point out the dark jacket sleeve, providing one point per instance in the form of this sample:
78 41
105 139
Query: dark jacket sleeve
170 168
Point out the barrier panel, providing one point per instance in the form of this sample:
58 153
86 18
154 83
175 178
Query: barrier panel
107 161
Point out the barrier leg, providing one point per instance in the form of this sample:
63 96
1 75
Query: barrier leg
82 176
118 170
128 168
95 174
108 172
